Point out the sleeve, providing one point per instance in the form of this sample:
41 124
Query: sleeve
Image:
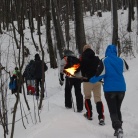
62 65
125 66
100 69
45 67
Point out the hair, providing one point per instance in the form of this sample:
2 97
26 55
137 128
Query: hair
86 47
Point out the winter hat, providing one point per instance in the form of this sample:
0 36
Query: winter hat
31 61
68 53
37 57
86 47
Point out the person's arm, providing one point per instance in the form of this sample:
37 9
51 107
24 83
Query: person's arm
125 67
45 67
61 75
62 65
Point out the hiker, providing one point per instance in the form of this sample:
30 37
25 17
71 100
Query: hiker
71 81
38 72
14 81
111 69
89 64
29 77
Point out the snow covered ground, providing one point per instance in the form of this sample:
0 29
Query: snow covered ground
58 122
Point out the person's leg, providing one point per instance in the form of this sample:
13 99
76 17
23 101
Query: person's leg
78 94
40 84
68 96
97 100
27 86
87 92
120 98
111 99
37 87
32 87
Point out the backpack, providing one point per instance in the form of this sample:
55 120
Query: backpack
71 61
13 83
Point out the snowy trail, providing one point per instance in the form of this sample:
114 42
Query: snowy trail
59 122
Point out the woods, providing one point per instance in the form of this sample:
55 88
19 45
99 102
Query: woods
62 24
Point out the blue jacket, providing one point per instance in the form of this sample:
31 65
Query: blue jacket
111 70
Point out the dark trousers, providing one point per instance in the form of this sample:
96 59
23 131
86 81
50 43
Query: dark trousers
114 101
38 83
70 82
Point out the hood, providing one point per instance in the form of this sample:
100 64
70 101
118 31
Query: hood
31 62
88 53
37 57
68 53
111 51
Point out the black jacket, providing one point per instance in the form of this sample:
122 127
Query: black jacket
89 63
38 69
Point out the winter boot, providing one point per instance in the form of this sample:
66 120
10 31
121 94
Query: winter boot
86 116
100 110
119 133
88 107
101 122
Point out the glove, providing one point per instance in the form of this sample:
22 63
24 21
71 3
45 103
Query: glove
61 77
61 82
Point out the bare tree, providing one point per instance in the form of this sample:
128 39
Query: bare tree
114 22
52 56
58 29
79 25
115 39
129 16
137 16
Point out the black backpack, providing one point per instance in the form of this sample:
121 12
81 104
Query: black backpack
71 61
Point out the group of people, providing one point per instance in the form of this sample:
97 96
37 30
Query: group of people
95 73
32 76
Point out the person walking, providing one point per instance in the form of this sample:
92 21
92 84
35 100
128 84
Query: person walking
38 72
70 82
28 74
89 64
14 81
111 69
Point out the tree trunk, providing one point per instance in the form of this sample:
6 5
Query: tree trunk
129 16
137 15
114 22
79 26
53 63
67 22
58 29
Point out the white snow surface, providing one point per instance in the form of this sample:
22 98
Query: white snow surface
58 122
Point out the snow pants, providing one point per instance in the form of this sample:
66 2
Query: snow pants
114 101
70 82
